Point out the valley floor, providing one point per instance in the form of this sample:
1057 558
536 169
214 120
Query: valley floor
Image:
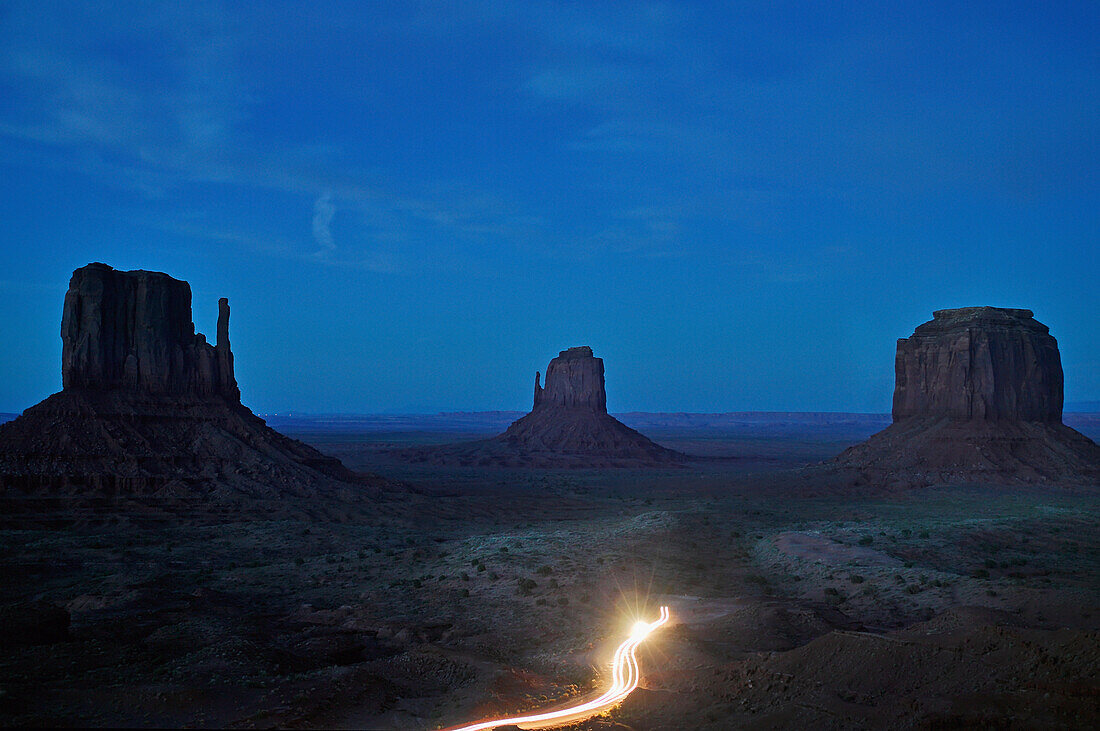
494 591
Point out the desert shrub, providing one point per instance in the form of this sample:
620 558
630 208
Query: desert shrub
908 564
563 601
585 598
298 560
757 579
913 589
541 601
554 584
465 592
465 576
990 592
416 583
899 579
544 571
866 540
856 579
923 534
905 532
980 574
493 576
480 567
831 591
524 586
989 563
504 549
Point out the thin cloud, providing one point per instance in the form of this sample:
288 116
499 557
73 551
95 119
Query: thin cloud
323 212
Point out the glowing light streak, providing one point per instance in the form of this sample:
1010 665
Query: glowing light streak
625 676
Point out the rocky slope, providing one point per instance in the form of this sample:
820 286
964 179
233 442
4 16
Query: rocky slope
150 418
977 398
568 426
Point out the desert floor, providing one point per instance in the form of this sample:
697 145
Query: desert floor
490 591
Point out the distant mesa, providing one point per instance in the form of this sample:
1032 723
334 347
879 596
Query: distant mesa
568 427
977 399
150 416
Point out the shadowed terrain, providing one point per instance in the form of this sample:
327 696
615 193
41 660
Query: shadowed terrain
495 590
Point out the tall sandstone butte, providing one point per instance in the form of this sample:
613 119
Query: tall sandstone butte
979 363
132 331
977 398
568 426
150 415
574 380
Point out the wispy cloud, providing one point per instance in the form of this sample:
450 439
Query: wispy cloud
323 212
188 120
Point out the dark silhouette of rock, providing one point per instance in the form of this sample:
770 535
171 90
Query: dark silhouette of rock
568 427
150 416
977 398
133 331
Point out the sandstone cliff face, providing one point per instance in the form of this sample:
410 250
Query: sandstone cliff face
573 380
133 331
977 399
979 363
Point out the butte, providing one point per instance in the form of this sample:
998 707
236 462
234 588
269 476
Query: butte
977 400
150 420
568 426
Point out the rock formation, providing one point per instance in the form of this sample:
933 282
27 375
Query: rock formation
568 427
132 331
979 364
574 380
977 398
150 415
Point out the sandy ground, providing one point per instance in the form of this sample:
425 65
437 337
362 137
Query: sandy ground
500 591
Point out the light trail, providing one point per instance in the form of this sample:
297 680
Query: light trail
625 676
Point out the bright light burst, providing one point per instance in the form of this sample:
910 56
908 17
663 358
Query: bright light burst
624 679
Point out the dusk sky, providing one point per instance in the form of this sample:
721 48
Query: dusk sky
413 206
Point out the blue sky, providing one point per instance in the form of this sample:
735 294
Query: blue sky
414 206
